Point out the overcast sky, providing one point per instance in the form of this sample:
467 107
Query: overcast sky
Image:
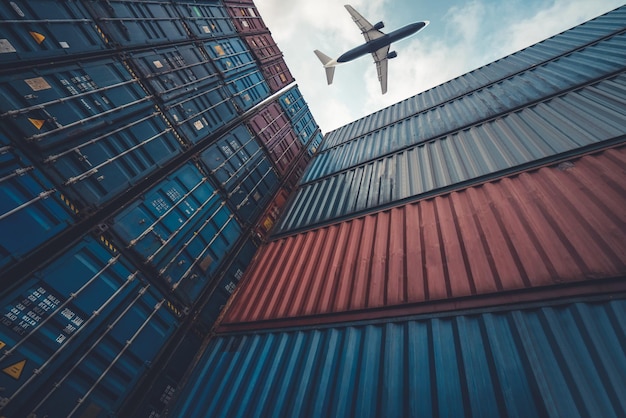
462 36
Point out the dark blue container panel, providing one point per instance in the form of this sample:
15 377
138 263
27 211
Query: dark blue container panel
182 229
138 23
248 90
41 29
194 97
31 210
227 285
172 72
304 125
103 164
315 143
231 56
205 19
51 107
292 101
239 164
83 327
562 361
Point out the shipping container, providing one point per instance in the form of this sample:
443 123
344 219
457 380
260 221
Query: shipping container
90 125
589 64
135 23
76 347
228 283
180 228
248 90
188 85
277 74
560 225
246 17
298 169
271 214
263 47
564 360
272 127
205 19
38 30
240 166
32 211
498 71
293 102
565 124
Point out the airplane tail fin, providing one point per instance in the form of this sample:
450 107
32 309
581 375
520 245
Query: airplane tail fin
330 71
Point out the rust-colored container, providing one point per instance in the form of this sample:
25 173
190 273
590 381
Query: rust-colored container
246 17
272 126
271 214
277 74
551 232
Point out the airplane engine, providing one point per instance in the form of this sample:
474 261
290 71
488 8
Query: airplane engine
379 26
392 54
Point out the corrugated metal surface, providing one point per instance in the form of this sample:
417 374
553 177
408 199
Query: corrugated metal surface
30 207
246 17
559 224
277 74
182 229
555 77
273 128
41 29
205 19
561 361
79 345
547 50
240 166
138 23
563 124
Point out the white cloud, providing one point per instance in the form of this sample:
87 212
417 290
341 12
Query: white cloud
468 36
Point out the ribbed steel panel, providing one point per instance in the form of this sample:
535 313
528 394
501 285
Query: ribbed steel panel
563 124
205 19
31 209
182 229
263 47
273 128
138 22
40 29
577 37
239 165
246 17
559 224
90 125
79 345
599 60
194 97
560 361
277 74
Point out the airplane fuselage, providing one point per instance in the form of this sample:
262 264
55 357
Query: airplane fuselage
376 44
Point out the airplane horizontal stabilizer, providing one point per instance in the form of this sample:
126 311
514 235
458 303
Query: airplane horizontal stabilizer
325 59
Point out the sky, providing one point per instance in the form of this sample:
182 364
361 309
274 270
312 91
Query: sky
462 36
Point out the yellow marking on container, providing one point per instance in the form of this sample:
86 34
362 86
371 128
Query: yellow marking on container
219 50
108 244
38 37
102 35
2 345
37 122
69 204
38 83
15 370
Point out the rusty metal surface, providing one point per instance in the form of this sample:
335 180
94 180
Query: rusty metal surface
560 224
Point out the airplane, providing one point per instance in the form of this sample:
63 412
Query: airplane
376 43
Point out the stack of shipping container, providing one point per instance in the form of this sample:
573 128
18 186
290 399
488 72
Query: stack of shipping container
460 253
146 149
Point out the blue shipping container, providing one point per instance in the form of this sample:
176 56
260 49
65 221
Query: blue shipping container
194 97
248 89
304 125
78 335
41 29
182 229
138 23
238 163
205 19
292 102
561 361
31 210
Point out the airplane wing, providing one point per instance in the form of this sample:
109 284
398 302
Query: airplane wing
367 29
381 60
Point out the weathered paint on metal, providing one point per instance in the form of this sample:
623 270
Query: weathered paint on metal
246 17
533 56
205 19
560 224
550 361
563 124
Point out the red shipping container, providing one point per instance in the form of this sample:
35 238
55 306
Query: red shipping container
246 17
273 128
550 232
